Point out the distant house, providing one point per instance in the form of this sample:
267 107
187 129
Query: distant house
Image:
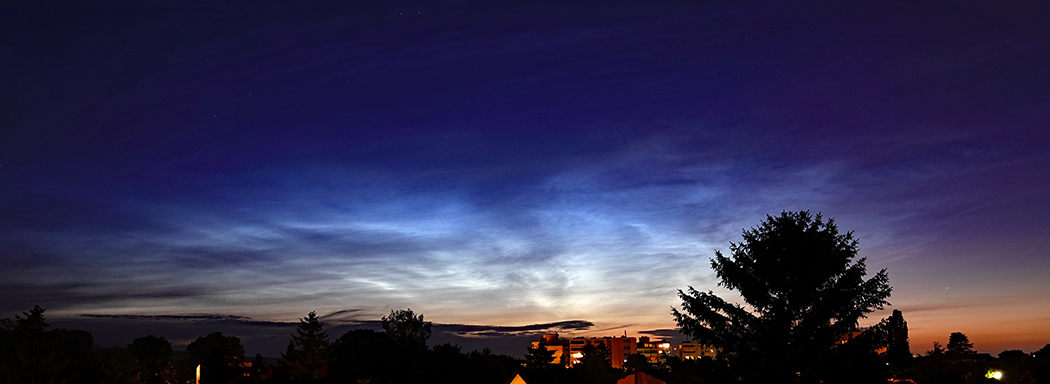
640 378
517 379
527 378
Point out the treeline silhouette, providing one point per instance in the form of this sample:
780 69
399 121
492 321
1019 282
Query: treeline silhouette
32 354
801 281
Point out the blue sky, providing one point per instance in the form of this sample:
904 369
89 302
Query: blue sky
512 164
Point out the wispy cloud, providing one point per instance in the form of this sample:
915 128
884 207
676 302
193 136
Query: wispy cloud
500 174
197 318
498 331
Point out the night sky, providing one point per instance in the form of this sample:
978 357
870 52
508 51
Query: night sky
509 168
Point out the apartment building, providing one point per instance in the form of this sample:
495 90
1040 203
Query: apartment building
690 350
619 348
559 346
654 351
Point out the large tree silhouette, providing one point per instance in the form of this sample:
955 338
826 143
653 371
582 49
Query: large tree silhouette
153 355
219 356
1041 364
363 354
803 292
309 349
406 329
31 354
595 366
118 366
959 344
898 350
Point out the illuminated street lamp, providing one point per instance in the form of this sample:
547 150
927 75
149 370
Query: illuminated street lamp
993 374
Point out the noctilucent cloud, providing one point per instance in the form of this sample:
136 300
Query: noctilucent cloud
510 169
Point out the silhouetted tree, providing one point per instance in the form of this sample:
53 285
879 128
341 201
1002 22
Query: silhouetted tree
366 356
216 368
184 370
898 350
1016 366
803 290
363 354
936 351
443 363
959 344
861 353
857 361
228 346
309 349
602 350
153 356
934 368
1041 365
408 333
698 371
956 364
637 363
539 357
118 366
28 355
258 365
31 354
486 367
220 357
79 364
594 367
406 329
